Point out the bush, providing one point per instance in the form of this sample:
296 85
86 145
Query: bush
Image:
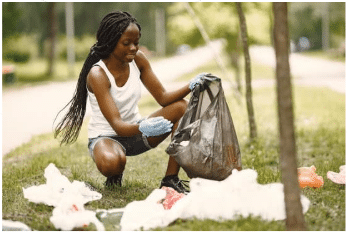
20 48
82 47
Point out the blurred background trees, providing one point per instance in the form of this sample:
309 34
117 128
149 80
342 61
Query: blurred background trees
26 30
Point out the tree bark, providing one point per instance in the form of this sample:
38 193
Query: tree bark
249 101
295 218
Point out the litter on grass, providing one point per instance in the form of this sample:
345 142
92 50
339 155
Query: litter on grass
237 195
338 178
8 225
58 185
110 218
67 198
308 177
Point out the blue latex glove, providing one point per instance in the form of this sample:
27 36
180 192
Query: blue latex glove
155 126
196 80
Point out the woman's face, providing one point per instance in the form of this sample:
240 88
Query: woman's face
128 44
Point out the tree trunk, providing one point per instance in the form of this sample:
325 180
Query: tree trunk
235 58
251 117
53 28
295 218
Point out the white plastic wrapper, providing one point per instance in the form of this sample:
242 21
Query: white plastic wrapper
8 225
70 213
67 198
56 185
239 194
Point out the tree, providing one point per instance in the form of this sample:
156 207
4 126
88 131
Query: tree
249 101
295 218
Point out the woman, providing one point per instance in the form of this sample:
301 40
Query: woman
111 76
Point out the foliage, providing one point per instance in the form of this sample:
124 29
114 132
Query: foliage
305 19
82 47
31 17
225 25
20 49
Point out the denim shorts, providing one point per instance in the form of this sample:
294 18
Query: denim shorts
132 146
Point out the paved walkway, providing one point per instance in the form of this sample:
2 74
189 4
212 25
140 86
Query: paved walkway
305 70
31 111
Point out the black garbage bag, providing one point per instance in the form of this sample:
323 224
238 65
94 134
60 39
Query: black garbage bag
205 144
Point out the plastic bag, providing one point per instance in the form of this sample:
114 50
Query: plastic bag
205 143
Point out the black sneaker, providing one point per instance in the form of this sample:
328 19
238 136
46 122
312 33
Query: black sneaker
175 183
114 181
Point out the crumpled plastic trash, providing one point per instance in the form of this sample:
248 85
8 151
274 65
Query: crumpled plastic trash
70 213
145 214
52 192
239 194
172 196
110 218
8 225
67 198
338 178
308 178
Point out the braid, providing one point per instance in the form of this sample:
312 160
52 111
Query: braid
110 30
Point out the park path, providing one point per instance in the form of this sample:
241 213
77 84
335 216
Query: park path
307 71
31 111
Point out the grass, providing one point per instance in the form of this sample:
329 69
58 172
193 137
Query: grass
320 122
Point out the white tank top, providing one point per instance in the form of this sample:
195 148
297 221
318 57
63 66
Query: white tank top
125 97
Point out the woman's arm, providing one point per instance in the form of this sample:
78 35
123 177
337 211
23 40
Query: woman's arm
152 83
99 84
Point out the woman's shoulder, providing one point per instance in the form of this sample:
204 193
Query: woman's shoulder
97 75
141 60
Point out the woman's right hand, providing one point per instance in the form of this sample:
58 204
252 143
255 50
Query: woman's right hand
196 80
155 126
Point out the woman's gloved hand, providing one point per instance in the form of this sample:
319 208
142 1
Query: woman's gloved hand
196 80
155 126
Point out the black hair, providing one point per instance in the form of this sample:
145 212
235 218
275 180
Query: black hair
110 30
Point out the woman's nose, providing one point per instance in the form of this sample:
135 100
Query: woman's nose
133 47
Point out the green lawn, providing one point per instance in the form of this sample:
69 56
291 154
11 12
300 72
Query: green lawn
320 130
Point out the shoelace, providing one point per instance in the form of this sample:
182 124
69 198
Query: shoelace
183 185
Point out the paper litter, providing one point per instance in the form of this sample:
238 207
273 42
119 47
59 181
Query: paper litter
239 194
67 198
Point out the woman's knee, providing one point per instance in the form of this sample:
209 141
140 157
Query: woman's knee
109 157
180 108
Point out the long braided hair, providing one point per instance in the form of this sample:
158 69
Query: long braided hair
110 30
